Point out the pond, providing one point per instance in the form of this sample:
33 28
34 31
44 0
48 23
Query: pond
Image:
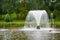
29 34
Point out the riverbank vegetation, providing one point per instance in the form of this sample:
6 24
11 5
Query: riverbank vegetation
13 12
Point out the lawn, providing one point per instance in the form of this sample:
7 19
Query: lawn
57 24
13 24
20 23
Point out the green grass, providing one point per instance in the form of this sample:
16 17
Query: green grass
13 24
57 24
20 23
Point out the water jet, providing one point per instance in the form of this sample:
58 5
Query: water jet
37 18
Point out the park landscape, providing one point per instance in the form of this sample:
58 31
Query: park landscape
22 17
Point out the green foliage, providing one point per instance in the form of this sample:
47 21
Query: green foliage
14 24
24 8
51 8
57 14
20 9
57 6
7 18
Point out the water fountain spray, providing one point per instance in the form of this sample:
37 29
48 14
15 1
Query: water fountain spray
37 19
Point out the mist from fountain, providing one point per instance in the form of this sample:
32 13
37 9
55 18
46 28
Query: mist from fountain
36 25
37 18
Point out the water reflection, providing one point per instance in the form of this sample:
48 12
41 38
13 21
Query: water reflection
28 35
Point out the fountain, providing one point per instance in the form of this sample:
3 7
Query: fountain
37 19
35 25
36 28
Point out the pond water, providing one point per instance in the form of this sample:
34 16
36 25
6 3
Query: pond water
25 34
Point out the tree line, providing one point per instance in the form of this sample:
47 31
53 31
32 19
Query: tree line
21 8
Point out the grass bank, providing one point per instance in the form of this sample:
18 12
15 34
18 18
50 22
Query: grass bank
13 24
20 23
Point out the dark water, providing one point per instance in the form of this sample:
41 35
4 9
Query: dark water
57 36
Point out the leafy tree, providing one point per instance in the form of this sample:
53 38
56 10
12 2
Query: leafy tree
24 8
57 6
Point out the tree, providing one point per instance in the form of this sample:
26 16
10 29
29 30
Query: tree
24 8
57 6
